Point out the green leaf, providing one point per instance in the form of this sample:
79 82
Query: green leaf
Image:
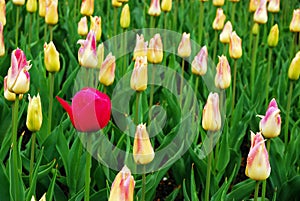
241 190
173 195
4 182
290 189
194 195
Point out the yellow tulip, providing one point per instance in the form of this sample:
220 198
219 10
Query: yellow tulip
31 6
125 17
261 14
154 9
235 46
34 114
184 48
294 69
51 16
273 36
139 76
82 28
155 51
226 32
223 75
219 20
107 70
166 5
96 26
51 57
295 23
2 12
42 8
211 117
87 7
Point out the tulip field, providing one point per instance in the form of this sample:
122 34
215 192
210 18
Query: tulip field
129 100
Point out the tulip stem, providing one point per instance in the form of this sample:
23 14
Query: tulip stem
51 87
124 51
137 100
264 185
233 12
268 75
115 20
51 32
175 15
225 49
288 108
17 26
30 29
201 17
234 86
253 64
256 190
144 184
151 94
216 45
208 172
87 169
196 84
181 83
33 139
45 33
75 9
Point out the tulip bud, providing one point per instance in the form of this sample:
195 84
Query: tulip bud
10 96
18 77
184 48
143 152
125 17
274 6
2 12
199 64
261 15
140 49
223 76
96 26
2 44
273 36
166 5
255 29
226 32
294 69
87 7
235 46
82 28
218 2
42 8
51 57
211 117
270 124
34 114
253 5
295 23
122 1
100 54
155 51
219 20
19 2
116 3
154 9
51 16
139 77
234 1
122 188
31 6
107 70
258 165
87 53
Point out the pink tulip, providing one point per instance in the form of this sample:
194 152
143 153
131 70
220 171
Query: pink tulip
90 110
87 53
199 64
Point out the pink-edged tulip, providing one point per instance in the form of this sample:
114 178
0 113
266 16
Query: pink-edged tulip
270 124
184 48
107 70
223 75
155 50
96 26
18 77
199 64
211 117
139 76
18 2
51 58
226 32
125 17
87 53
219 20
218 2
51 16
258 165
154 9
235 46
116 3
294 69
90 110
31 6
295 23
34 114
253 5
273 36
140 49
82 28
143 152
42 8
87 7
2 12
274 6
122 188
10 96
2 44
261 14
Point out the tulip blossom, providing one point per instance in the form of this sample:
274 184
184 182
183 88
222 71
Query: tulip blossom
273 36
82 28
154 9
10 96
51 57
34 114
166 5
211 117
122 1
100 54
226 32
87 53
143 152
18 77
125 17
87 7
2 12
235 46
199 64
90 110
96 27
184 48
255 29
107 70
223 76
51 16
294 69
2 44
139 77
42 8
253 5
295 23
140 47
31 6
261 14
155 51
18 2
218 2
274 6
116 3
122 188
258 165
219 20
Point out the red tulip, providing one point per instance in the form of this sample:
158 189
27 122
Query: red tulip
90 109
